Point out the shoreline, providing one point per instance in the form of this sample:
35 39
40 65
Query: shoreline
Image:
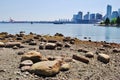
13 48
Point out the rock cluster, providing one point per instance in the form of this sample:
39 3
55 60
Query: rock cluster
34 62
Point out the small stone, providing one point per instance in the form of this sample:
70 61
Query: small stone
2 44
72 42
59 48
19 38
33 43
59 44
103 58
50 46
65 67
15 47
32 48
26 63
67 45
107 45
81 58
52 41
116 50
20 53
67 59
51 58
82 50
25 68
42 46
89 54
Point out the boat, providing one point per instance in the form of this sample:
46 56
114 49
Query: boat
56 22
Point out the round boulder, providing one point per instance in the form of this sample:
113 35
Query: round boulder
46 68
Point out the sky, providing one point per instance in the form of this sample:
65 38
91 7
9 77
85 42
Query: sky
51 9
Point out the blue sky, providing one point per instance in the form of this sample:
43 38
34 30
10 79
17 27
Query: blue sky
51 9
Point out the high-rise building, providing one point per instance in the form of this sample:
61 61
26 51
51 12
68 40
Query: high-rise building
86 16
92 16
80 14
109 11
119 12
99 16
115 14
75 18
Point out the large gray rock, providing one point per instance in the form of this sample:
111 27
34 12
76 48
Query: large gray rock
32 55
103 58
50 46
46 68
12 44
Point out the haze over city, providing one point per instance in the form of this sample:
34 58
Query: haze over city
51 9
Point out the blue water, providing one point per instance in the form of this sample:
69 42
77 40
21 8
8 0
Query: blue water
94 33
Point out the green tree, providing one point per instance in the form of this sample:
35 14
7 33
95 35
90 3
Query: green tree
118 21
107 21
113 21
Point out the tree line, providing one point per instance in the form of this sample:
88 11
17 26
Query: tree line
114 21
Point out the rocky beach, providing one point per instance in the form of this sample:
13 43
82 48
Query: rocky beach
45 57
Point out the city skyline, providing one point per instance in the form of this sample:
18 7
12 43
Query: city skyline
51 10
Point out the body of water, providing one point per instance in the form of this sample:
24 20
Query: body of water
91 32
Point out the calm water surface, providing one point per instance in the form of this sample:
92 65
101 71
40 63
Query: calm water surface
94 33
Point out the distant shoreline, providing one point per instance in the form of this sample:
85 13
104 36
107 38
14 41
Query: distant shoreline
108 25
